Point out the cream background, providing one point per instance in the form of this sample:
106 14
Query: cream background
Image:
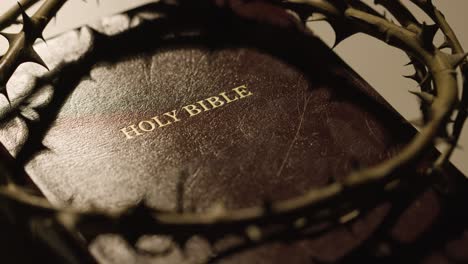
380 65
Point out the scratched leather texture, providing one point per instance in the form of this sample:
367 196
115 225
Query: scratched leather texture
310 119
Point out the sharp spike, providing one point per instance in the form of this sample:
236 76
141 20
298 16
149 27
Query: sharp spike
457 59
340 37
302 14
426 79
30 26
32 56
444 45
388 37
9 36
41 37
342 32
426 97
413 77
27 22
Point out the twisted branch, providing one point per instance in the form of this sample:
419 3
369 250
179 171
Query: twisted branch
338 203
10 16
21 44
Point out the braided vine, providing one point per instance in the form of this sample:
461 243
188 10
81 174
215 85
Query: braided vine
68 231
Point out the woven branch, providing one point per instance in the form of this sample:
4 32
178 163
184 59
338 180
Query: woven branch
336 204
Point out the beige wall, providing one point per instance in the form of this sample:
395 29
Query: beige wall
379 64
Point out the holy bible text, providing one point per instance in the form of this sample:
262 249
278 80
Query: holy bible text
187 111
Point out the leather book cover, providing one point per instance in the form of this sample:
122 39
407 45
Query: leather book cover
186 113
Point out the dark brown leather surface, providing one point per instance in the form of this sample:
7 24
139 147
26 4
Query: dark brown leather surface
309 119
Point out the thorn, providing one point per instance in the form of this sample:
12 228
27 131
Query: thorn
457 59
340 36
388 36
30 26
41 37
416 78
424 96
9 36
413 77
425 80
303 15
27 22
444 45
31 55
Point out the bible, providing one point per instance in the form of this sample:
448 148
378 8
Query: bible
185 114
